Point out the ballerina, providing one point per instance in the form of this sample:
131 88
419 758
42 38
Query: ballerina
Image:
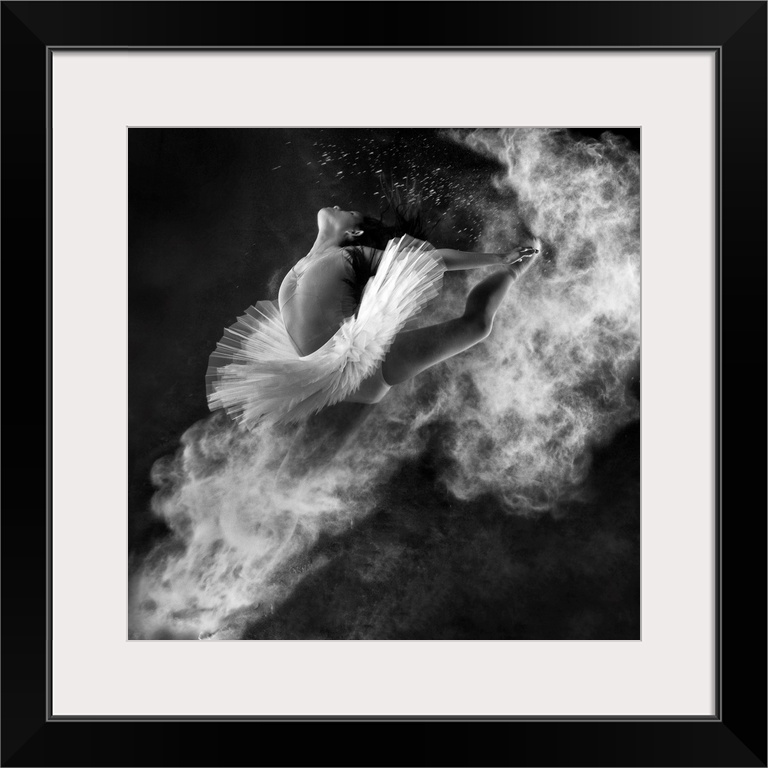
336 332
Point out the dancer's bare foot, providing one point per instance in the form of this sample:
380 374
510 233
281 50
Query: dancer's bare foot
521 257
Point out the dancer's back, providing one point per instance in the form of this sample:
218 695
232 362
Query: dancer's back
315 297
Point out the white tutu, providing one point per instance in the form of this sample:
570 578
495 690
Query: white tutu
257 374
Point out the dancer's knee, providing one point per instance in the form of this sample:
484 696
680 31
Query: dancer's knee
483 302
478 324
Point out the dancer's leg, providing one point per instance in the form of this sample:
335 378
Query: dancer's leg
414 351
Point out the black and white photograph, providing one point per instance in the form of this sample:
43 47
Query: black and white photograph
384 384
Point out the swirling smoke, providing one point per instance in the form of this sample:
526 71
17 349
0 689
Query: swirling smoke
523 410
553 379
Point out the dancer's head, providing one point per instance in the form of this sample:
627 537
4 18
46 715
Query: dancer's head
401 214
339 227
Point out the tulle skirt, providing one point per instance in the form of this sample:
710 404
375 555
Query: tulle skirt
256 373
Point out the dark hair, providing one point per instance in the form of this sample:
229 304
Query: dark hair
401 214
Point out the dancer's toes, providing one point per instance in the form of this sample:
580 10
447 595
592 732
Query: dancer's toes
520 259
515 256
523 253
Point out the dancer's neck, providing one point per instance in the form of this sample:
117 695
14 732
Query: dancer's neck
325 244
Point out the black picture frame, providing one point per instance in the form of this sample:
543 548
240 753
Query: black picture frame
736 735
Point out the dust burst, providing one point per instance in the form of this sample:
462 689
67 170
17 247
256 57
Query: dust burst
554 378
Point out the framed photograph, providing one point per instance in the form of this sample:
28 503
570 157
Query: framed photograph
384 383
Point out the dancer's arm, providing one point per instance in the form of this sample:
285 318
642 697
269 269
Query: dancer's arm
451 258
455 260
468 260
